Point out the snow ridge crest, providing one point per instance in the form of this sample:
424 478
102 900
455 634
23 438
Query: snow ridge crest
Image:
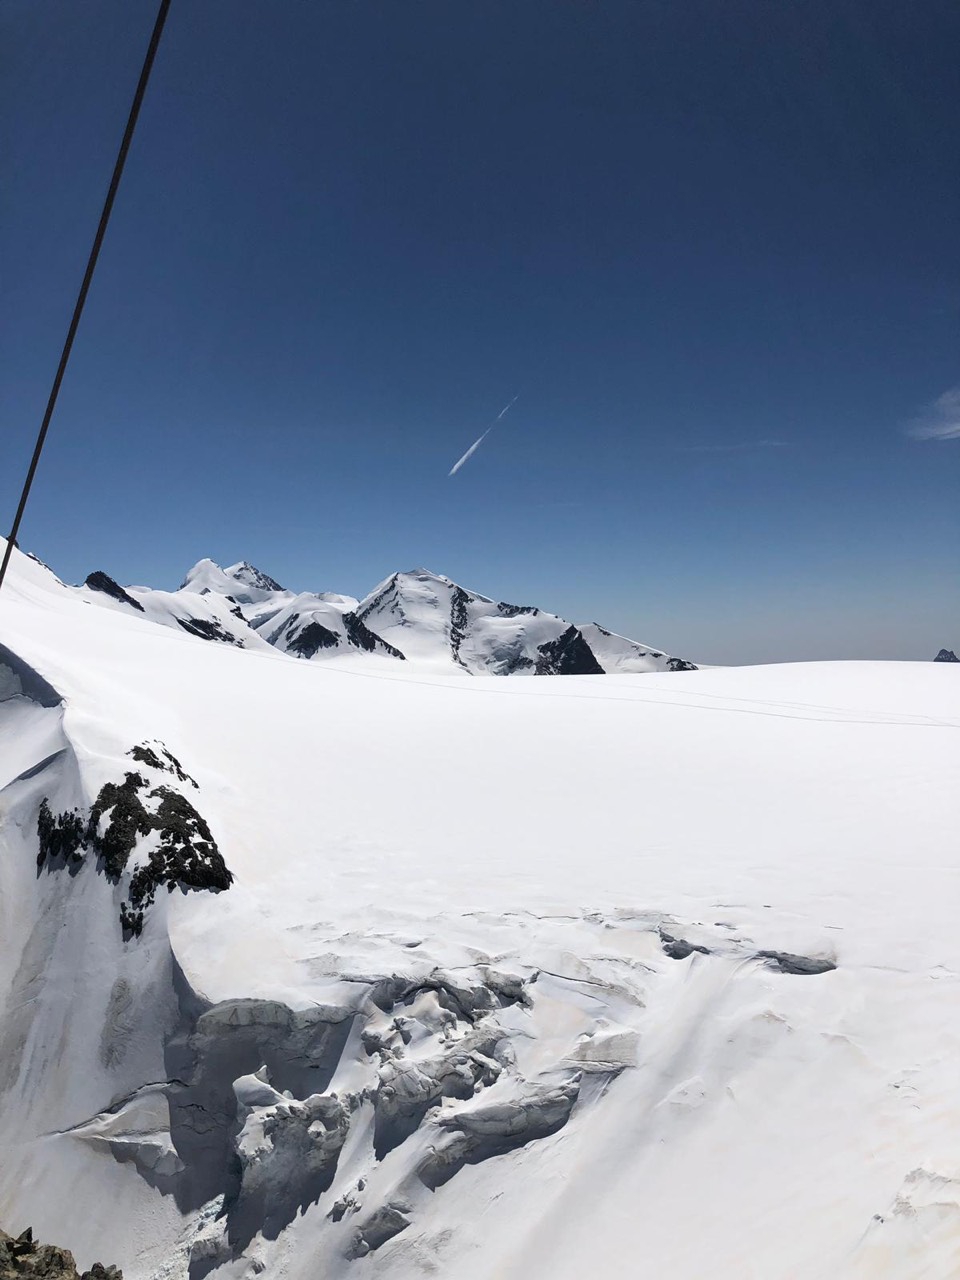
416 615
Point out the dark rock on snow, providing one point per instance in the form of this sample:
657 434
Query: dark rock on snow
208 629
24 1258
680 948
360 635
568 655
185 857
160 759
312 639
100 581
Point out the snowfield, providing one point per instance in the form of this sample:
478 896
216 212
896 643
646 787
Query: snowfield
359 969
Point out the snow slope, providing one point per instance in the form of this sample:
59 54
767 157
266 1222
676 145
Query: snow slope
424 616
433 620
513 978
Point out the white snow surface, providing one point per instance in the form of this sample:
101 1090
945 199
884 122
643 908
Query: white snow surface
451 1019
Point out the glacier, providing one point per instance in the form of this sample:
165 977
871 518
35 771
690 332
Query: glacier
359 968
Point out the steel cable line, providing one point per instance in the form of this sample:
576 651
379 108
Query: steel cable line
87 277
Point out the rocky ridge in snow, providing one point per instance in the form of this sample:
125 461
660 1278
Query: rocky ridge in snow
23 1258
418 616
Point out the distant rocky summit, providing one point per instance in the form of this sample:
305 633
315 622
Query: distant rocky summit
23 1257
419 617
946 655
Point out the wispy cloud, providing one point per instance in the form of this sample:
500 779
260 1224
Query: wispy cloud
735 447
940 421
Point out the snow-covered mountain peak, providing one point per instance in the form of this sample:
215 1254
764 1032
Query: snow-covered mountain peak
430 617
205 573
415 614
242 583
251 576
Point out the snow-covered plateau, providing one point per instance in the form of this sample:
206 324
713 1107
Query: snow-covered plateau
357 968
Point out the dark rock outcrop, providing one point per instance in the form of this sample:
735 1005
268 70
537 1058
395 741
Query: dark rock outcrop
208 629
61 836
251 576
946 655
186 855
680 948
459 621
24 1259
312 639
360 635
568 655
100 581
160 758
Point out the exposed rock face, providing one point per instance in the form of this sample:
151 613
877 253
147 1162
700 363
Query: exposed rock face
946 655
568 655
298 629
24 1258
360 635
184 854
312 639
100 581
158 757
251 576
681 664
208 629
459 620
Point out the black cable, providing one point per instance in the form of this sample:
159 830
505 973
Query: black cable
87 277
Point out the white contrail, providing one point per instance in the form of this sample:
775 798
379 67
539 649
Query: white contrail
507 406
470 452
477 443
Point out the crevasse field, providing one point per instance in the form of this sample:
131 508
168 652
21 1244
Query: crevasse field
528 979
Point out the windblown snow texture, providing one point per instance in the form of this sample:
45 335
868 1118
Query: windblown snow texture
469 978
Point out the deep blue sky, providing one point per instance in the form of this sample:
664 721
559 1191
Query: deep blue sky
715 248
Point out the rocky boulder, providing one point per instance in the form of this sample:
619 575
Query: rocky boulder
23 1257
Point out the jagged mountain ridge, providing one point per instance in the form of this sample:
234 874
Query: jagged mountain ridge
418 615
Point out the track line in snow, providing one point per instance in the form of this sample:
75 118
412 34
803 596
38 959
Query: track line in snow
841 717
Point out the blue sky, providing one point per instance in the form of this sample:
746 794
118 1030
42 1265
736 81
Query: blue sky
712 247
